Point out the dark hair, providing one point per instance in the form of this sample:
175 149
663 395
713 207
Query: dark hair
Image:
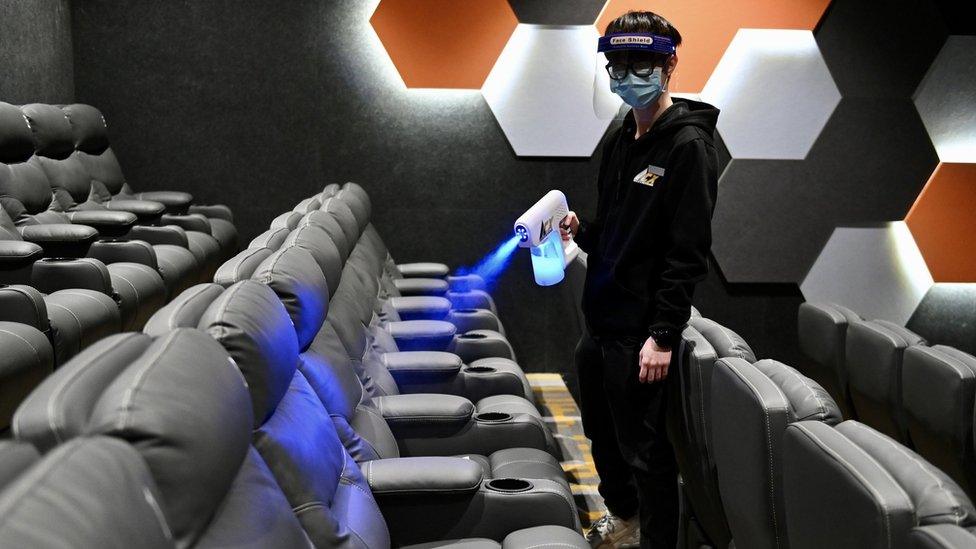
644 21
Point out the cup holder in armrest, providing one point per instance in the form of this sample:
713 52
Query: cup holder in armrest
480 369
493 417
58 259
509 485
113 240
472 336
466 311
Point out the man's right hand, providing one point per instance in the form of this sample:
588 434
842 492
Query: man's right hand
569 226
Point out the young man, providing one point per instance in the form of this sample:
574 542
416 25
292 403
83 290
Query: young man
647 248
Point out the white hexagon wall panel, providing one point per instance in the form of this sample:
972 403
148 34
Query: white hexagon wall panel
775 93
541 91
946 97
877 271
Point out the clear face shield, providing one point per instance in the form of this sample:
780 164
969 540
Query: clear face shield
629 71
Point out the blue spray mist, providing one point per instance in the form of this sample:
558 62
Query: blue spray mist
492 265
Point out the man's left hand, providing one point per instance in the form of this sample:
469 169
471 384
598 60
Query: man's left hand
654 361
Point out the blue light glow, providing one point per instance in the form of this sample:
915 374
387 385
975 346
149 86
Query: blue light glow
492 265
549 260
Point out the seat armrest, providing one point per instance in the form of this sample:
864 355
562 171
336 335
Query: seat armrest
478 344
24 305
147 211
423 270
425 415
423 476
422 335
215 211
412 367
17 255
473 299
176 202
164 234
189 222
466 283
61 239
421 307
421 286
106 222
53 274
110 251
467 320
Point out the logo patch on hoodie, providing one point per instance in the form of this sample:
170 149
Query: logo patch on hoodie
649 176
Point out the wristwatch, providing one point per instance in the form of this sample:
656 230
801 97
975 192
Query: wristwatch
664 337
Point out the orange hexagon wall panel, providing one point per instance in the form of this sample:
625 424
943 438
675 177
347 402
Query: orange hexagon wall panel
444 43
943 223
707 27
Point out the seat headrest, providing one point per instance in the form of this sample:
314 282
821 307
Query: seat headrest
51 131
16 141
300 284
872 346
241 266
340 210
727 344
15 458
358 190
328 223
822 330
938 385
308 205
181 402
807 399
90 492
88 128
328 191
359 210
184 311
270 239
316 241
60 407
252 325
937 498
287 220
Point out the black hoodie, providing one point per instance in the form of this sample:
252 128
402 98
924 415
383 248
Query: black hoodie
648 245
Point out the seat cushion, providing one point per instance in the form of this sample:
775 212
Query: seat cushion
226 234
206 250
178 267
80 318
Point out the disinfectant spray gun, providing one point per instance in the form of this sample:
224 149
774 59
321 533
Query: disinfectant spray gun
538 230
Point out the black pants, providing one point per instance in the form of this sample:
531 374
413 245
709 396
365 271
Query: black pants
626 422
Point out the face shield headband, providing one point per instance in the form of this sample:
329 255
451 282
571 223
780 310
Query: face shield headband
636 41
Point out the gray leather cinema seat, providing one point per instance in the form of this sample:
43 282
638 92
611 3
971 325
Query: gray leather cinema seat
938 390
875 349
943 536
690 422
851 487
751 406
26 358
822 330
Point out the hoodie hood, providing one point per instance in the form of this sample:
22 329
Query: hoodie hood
683 113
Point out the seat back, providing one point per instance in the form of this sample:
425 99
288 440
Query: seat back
852 486
296 436
874 352
943 536
751 406
26 360
822 331
90 133
184 311
938 388
241 266
25 191
89 492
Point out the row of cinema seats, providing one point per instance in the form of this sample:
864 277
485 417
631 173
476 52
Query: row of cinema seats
767 461
82 256
274 409
893 380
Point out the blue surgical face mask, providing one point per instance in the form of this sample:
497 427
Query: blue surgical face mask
639 92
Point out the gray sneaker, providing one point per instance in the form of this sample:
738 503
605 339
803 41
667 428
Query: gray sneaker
611 531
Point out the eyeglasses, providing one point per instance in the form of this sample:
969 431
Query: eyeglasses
640 69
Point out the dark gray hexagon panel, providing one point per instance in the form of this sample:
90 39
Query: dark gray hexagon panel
774 216
880 49
946 100
947 315
557 12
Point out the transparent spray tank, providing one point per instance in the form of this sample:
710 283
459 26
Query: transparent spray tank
538 230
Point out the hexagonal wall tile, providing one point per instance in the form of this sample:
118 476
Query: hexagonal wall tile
707 27
876 271
444 43
946 97
556 12
796 98
943 222
541 91
773 217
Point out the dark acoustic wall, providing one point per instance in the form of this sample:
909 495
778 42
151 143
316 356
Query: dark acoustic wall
35 51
